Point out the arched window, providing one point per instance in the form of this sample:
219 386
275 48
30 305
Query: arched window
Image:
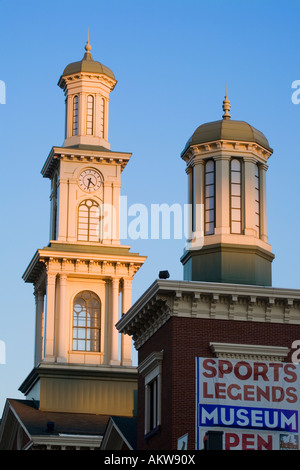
257 200
90 115
75 115
102 117
88 221
209 197
86 322
236 195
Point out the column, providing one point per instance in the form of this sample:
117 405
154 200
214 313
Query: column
69 116
222 195
249 196
62 316
50 318
39 324
97 115
198 206
116 189
114 358
63 207
106 104
72 211
190 220
126 339
263 202
82 114
107 212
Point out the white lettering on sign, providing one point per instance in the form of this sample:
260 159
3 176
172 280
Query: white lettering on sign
249 395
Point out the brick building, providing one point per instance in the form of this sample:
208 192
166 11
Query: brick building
175 322
225 307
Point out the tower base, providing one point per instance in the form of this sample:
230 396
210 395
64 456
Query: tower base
229 263
70 388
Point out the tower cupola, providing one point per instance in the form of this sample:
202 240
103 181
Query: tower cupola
83 277
226 163
87 85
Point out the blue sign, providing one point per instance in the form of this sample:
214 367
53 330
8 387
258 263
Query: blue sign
246 417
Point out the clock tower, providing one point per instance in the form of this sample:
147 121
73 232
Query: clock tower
82 279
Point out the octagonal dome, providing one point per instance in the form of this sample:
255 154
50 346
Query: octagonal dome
227 129
87 65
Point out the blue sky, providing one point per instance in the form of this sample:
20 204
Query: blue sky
172 59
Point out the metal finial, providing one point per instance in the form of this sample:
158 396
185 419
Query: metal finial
226 106
88 47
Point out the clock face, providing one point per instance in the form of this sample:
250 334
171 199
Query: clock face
89 180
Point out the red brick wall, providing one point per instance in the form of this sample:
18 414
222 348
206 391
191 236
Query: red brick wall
162 340
183 339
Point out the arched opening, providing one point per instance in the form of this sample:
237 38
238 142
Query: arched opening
86 322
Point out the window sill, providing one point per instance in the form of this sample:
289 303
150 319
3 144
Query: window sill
152 433
76 351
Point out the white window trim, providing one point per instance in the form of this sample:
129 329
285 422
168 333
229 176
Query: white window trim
249 351
151 368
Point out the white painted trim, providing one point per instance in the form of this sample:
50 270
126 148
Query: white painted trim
249 351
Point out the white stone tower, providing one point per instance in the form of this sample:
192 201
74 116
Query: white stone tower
82 279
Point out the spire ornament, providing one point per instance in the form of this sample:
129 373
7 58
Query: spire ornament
88 47
226 106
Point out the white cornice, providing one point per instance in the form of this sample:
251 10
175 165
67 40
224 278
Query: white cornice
217 147
67 440
165 299
83 155
153 360
105 263
249 351
102 78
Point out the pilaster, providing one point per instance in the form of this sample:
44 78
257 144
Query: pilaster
190 173
249 196
114 359
63 208
62 354
263 202
39 325
50 318
125 339
222 194
198 192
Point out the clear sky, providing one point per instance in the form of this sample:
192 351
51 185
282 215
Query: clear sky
172 60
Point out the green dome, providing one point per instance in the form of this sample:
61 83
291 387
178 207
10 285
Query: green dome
87 65
226 129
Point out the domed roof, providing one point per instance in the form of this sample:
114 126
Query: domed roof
227 129
87 64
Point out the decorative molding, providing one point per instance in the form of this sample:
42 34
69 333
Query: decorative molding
153 360
165 299
249 352
149 320
207 149
76 263
63 441
102 78
98 156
